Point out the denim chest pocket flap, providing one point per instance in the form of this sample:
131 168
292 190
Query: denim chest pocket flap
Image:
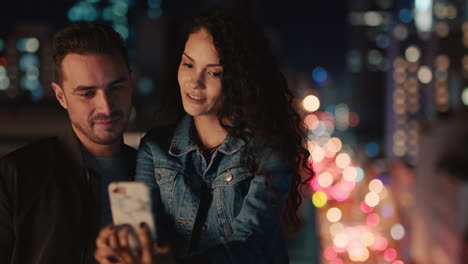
231 176
165 172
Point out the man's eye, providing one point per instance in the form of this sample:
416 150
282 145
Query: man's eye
115 88
87 94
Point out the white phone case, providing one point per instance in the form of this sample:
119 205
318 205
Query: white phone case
131 204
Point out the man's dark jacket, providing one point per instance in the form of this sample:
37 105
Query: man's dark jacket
50 203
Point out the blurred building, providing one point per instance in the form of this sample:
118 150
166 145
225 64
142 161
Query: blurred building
369 23
426 89
26 64
429 73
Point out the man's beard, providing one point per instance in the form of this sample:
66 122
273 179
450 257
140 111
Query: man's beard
112 136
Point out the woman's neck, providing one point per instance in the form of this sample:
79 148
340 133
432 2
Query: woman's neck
209 130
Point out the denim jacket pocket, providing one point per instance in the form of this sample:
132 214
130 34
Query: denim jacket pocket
229 190
166 180
164 175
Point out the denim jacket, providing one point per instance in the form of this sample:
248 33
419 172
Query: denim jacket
214 208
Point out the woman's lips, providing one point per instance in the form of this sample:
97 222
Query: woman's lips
195 99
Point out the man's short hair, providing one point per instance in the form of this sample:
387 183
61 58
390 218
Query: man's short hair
85 38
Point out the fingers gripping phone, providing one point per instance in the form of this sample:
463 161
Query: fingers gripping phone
131 204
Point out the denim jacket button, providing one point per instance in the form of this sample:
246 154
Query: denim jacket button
228 176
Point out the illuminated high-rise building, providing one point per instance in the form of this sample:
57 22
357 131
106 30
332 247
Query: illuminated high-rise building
369 23
429 56
425 88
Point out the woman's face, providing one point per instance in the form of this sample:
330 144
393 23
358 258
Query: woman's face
200 75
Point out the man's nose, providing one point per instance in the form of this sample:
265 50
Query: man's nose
104 103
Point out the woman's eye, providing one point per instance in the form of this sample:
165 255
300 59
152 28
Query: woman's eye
216 74
188 65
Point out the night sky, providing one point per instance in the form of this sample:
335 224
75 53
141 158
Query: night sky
309 33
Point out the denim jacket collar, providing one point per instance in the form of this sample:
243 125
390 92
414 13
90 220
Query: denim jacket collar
184 140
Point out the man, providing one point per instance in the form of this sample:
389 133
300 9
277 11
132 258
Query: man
53 193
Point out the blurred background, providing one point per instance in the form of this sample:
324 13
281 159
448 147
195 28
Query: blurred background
382 86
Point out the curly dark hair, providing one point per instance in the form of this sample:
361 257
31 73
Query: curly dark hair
256 98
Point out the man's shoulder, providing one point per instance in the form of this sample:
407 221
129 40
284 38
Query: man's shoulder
22 165
35 150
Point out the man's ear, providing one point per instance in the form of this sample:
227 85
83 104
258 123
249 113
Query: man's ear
59 94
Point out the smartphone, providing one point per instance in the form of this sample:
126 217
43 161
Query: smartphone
131 204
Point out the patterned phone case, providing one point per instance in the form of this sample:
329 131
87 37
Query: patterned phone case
131 204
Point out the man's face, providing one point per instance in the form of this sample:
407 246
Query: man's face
96 92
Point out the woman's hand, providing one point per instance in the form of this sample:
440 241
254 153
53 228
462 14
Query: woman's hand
113 247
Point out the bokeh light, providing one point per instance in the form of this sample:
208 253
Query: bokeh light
334 214
397 232
360 174
425 74
372 199
400 32
325 179
27 61
376 186
412 53
367 239
382 41
358 253
334 144
31 45
373 219
387 210
319 75
405 15
390 254
343 160
311 121
341 240
4 83
354 61
318 154
372 149
366 208
311 103
423 15
329 254
336 228
120 8
350 174
380 243
373 18
464 96
145 85
319 199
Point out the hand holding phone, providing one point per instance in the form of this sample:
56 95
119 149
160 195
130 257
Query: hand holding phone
131 205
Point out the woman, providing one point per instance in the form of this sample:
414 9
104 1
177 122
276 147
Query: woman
223 176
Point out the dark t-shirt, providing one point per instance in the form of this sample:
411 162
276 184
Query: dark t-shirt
111 169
